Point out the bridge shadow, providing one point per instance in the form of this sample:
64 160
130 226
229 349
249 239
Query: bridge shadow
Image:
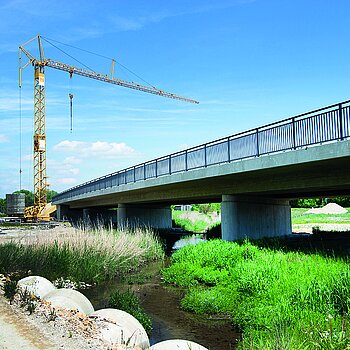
328 244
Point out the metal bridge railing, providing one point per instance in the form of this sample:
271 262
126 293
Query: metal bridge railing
322 125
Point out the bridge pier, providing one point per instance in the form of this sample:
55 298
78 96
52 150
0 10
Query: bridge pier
61 211
254 217
87 215
64 212
133 215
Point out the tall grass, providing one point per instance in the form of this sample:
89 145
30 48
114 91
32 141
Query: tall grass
81 254
280 300
193 221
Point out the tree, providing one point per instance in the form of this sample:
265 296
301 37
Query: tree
50 194
206 208
3 206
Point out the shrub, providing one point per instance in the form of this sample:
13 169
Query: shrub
129 302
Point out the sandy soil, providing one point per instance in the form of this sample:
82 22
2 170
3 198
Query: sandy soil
17 333
19 330
307 228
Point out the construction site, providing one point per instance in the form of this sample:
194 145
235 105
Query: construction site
174 175
41 210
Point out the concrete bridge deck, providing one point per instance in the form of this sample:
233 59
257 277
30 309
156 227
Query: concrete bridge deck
253 174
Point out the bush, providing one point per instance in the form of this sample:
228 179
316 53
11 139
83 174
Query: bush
10 288
129 303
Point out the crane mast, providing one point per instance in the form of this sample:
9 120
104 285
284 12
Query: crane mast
39 149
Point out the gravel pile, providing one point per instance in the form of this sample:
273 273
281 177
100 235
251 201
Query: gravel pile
330 208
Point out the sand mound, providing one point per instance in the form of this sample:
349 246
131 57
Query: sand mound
330 208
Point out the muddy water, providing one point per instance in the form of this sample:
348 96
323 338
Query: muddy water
169 321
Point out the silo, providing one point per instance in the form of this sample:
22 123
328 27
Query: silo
15 204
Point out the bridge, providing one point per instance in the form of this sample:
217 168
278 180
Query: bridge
253 174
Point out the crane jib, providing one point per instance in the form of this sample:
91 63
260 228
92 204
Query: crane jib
102 77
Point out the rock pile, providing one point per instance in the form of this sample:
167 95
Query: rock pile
330 208
116 329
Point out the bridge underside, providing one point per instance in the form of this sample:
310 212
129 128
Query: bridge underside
254 192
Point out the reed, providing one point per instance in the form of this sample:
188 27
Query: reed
81 254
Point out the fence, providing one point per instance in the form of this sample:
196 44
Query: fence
322 125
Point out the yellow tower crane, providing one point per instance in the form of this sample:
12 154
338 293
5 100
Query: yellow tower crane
39 211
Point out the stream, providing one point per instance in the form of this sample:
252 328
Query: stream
162 304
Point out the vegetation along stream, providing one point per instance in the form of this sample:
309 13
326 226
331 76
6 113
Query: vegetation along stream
287 293
162 304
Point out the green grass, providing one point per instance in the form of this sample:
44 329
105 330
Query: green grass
299 217
81 255
280 300
192 221
199 223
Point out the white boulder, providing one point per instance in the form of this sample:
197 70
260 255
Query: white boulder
177 344
37 285
70 299
119 327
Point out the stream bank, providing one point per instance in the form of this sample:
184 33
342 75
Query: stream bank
162 304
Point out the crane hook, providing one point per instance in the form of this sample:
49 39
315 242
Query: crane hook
71 111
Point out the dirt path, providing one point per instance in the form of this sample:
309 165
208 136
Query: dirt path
16 333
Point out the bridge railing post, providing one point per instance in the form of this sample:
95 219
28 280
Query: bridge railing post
257 142
294 133
205 156
170 164
340 113
144 171
156 167
228 150
186 161
134 174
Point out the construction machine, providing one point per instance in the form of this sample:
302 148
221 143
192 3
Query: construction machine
41 211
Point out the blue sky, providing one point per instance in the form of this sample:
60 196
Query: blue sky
247 62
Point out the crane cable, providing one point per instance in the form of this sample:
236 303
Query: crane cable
20 116
96 54
70 95
66 53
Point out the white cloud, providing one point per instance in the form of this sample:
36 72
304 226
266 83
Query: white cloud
72 160
100 149
27 157
10 103
3 138
66 181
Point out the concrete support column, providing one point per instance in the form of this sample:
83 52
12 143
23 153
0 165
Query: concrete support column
254 217
154 216
122 220
62 211
86 215
101 216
